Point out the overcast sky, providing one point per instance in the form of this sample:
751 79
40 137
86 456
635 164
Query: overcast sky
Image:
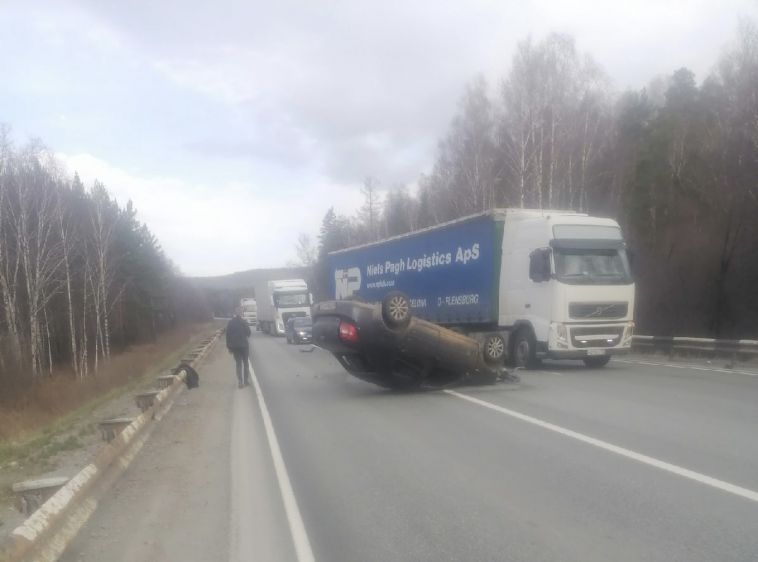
233 126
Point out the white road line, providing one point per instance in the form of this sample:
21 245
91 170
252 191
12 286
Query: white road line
550 373
295 520
690 367
663 465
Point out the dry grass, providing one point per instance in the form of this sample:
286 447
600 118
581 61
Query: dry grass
62 398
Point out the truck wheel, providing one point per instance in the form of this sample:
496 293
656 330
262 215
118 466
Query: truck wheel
524 349
596 362
494 349
396 309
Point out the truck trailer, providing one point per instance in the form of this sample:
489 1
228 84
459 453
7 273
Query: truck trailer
540 283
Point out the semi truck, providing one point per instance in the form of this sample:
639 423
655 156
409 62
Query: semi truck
249 310
280 300
538 283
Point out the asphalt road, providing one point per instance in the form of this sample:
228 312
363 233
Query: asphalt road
638 461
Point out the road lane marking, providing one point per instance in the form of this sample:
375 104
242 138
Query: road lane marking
663 465
692 367
295 520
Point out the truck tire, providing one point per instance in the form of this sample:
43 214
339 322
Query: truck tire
524 349
494 349
396 309
597 361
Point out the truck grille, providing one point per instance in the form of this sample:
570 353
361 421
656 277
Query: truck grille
596 336
613 310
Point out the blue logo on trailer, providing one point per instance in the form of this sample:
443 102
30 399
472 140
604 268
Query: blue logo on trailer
447 273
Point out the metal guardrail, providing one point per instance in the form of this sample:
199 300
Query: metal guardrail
708 345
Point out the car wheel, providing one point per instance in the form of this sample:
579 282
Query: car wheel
494 349
523 349
597 361
396 309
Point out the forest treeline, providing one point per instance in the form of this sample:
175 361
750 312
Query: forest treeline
676 163
80 276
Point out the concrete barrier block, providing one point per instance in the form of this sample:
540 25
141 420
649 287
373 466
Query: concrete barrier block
31 494
145 400
110 429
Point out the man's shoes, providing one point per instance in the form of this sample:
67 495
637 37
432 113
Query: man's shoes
247 382
240 385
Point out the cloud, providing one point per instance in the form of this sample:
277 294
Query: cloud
235 125
212 230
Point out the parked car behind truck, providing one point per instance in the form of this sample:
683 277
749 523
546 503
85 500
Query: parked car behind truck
298 329
539 284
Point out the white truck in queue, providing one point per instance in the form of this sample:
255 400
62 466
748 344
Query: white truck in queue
280 300
546 283
249 311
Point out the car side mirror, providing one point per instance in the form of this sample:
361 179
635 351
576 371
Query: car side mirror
539 265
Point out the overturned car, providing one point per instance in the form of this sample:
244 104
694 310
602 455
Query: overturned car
386 345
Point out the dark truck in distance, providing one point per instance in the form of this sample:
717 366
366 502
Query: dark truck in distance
386 345
298 329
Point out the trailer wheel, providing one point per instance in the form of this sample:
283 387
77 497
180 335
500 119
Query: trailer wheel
396 309
494 349
523 349
596 362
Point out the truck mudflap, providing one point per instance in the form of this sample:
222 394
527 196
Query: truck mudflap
385 345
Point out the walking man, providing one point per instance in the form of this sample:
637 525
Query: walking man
237 332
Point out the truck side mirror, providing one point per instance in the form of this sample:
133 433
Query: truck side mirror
539 265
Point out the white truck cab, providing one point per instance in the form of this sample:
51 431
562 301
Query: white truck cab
565 281
281 300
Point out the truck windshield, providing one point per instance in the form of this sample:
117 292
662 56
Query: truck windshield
592 266
291 299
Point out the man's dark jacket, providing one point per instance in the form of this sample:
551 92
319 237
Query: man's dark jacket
237 332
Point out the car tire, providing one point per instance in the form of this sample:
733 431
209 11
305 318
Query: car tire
494 349
524 349
596 362
396 309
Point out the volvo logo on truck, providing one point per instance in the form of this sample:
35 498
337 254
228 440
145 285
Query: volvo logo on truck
346 282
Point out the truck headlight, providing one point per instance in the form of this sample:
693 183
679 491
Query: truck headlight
626 341
560 334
